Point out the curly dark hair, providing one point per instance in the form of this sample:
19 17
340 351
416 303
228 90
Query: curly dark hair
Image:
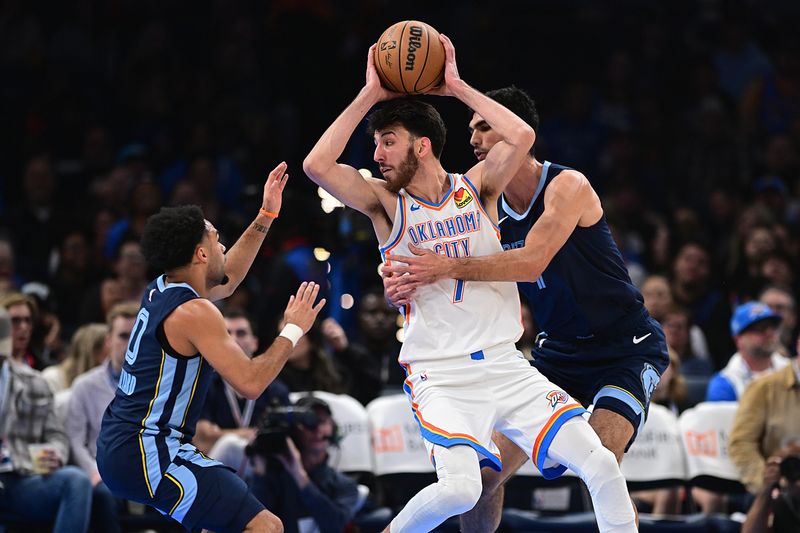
419 118
171 235
518 102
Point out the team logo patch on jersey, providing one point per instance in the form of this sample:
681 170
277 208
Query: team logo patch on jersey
556 397
462 197
650 378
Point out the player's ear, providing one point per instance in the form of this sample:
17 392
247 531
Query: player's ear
423 146
200 253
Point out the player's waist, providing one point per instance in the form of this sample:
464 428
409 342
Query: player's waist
478 356
629 322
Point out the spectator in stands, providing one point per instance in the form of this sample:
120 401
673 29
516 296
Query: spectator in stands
297 484
677 327
781 300
309 368
87 349
38 213
671 390
46 335
371 358
226 423
692 289
777 505
23 313
766 422
130 269
92 391
100 299
9 280
658 299
73 277
34 447
754 327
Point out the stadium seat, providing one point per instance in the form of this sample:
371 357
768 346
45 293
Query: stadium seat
656 459
401 463
704 431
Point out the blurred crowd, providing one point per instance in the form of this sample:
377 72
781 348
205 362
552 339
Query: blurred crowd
685 116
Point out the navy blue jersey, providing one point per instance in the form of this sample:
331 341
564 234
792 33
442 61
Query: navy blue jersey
160 394
585 292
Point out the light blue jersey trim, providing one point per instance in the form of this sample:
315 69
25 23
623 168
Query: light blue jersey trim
164 286
185 394
625 397
513 214
189 486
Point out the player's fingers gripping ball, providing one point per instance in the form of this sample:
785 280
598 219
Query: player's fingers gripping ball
409 57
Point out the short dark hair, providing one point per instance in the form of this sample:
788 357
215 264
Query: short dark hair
419 118
171 236
518 102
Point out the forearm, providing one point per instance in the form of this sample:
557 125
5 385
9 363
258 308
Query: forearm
511 128
757 520
333 142
240 257
513 265
266 367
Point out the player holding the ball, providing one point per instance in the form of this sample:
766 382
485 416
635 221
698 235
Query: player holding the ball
465 376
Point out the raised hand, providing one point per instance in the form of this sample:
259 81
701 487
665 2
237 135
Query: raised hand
273 188
423 268
451 75
373 82
301 310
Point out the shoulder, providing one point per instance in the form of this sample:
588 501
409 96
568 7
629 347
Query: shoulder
194 310
720 389
569 178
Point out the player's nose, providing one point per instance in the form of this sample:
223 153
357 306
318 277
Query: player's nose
475 139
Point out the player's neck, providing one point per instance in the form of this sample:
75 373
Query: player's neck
520 190
191 276
430 183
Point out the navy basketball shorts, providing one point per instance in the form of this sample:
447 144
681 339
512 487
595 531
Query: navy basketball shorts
194 490
618 373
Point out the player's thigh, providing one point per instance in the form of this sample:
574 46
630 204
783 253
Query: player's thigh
210 497
513 459
615 431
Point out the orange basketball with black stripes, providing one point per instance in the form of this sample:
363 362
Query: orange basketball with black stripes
409 57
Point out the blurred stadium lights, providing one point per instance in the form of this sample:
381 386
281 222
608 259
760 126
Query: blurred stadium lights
328 202
321 254
347 301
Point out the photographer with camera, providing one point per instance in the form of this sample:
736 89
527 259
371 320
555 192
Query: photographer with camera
776 508
291 473
765 444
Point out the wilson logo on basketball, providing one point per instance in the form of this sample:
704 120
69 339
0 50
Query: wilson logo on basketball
462 197
556 397
414 42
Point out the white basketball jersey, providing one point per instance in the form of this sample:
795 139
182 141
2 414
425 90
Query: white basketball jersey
452 318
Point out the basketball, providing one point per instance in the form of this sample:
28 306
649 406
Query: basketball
409 57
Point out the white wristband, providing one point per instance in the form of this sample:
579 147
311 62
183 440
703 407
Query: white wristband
292 332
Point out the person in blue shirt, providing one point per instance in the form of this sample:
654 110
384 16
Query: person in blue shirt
144 450
597 340
754 327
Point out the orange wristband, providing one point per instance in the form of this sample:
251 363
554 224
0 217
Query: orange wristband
268 214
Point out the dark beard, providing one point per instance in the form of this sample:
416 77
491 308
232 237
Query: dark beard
405 172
